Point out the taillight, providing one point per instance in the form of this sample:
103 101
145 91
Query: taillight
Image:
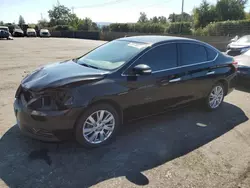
235 64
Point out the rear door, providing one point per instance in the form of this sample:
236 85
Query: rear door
197 61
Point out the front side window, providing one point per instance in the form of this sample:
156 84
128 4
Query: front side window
112 54
160 58
192 53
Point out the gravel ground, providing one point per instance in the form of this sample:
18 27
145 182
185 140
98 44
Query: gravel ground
185 148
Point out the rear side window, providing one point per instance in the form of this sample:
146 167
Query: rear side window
211 54
192 53
161 57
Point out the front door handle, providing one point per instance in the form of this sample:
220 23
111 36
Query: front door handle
175 80
210 72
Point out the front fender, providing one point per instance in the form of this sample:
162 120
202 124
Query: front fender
102 90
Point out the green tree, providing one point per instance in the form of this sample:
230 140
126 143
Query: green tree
88 25
43 23
94 26
204 14
154 19
1 23
247 15
21 21
230 9
171 17
75 21
59 15
185 17
162 19
143 18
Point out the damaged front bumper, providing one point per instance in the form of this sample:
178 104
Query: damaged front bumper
46 125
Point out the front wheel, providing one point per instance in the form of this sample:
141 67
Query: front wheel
97 126
215 97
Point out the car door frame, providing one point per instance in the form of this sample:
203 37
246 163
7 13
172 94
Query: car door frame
163 84
205 68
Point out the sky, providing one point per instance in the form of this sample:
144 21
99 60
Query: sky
98 10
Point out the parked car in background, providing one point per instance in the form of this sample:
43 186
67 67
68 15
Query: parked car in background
31 32
244 67
238 45
18 33
4 33
44 33
125 79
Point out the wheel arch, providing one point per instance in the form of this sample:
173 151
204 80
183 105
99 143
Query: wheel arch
225 84
111 102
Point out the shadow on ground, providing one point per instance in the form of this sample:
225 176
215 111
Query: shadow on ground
243 87
140 146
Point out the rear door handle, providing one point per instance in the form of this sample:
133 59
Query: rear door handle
210 72
175 80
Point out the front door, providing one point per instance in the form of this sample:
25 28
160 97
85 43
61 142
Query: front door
162 89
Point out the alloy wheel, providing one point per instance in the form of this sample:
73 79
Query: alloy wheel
99 126
216 96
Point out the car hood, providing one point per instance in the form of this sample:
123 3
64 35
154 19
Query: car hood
18 30
239 45
59 74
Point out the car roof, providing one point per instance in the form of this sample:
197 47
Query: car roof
154 39
30 29
3 26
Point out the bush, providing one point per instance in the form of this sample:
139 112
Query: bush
180 28
138 27
150 27
200 32
226 28
173 28
63 28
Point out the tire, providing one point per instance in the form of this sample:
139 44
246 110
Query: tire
211 106
96 130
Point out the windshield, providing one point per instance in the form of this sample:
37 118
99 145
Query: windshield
4 28
30 30
112 55
244 39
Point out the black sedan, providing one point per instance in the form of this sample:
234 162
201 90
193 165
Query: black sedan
243 68
238 46
126 79
18 33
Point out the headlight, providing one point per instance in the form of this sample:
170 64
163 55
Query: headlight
63 97
244 50
57 99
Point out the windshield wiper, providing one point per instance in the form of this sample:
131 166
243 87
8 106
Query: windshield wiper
87 65
75 60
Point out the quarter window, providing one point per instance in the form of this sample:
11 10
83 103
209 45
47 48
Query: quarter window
161 57
192 53
211 54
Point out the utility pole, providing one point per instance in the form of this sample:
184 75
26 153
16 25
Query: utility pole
182 7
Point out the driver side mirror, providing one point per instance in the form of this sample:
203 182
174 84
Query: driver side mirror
234 39
142 69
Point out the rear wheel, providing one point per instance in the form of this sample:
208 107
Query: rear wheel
97 126
215 97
